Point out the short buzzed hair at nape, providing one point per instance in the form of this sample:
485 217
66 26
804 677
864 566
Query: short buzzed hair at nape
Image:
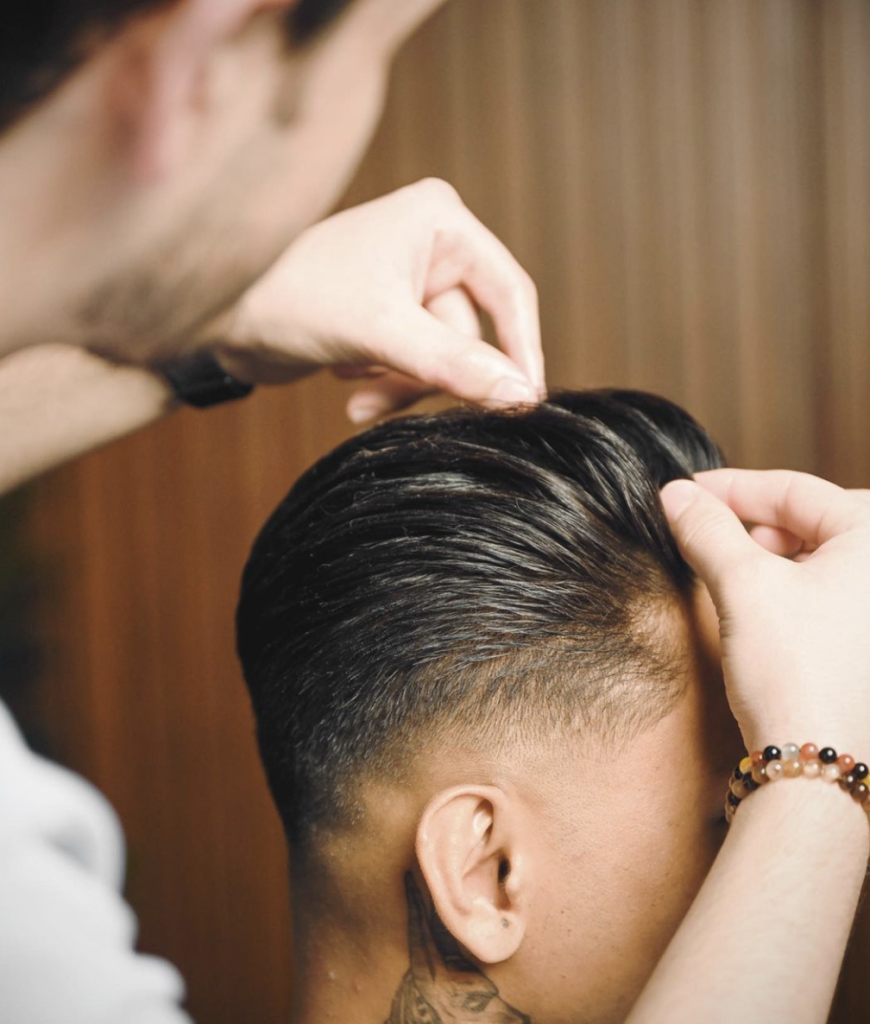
41 43
498 572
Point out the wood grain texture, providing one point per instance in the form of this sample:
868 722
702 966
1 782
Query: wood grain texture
689 183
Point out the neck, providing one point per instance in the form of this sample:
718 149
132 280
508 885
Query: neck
397 965
345 968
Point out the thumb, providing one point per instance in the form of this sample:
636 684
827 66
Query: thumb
709 535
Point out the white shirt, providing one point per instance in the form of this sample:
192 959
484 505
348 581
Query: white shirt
66 934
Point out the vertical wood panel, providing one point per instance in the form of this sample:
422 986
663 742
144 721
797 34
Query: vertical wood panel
845 356
689 183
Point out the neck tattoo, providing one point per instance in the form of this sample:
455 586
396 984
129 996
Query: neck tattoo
442 986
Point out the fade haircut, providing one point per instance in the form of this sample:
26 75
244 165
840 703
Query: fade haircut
499 572
43 41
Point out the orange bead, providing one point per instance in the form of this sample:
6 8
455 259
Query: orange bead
758 775
809 751
757 758
791 769
846 763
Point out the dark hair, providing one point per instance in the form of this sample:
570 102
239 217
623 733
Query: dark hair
499 571
41 43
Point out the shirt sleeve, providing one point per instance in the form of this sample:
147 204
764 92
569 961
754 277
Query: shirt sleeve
66 934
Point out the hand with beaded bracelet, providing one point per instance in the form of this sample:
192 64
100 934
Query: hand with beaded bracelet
792 762
793 597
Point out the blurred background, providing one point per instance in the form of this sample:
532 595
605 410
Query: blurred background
689 183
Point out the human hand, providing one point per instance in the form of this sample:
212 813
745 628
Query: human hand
795 637
387 292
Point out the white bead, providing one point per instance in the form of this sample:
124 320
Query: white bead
790 751
831 772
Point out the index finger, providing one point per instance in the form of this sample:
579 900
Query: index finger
812 509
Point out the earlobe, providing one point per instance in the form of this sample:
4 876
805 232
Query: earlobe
471 857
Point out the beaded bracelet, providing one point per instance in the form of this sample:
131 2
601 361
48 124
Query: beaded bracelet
773 763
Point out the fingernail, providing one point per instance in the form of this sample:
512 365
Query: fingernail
364 409
510 391
677 495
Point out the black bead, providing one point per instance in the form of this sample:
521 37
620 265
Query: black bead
860 771
738 775
772 753
750 783
827 755
732 799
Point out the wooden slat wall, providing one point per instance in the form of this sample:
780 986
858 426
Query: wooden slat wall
689 182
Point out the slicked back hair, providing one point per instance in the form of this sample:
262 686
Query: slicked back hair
42 41
493 572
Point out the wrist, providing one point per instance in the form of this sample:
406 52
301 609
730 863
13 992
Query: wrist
810 811
233 345
772 764
237 363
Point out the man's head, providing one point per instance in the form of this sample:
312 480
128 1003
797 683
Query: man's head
155 158
478 663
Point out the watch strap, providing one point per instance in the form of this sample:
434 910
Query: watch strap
198 379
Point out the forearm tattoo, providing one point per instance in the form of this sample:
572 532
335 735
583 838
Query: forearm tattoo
442 986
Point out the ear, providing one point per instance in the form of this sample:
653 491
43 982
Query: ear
471 856
157 86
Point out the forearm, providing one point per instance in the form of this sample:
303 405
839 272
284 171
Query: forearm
765 937
58 402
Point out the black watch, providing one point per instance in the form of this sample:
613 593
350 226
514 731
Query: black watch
199 380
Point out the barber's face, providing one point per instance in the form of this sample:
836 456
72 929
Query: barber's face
269 153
